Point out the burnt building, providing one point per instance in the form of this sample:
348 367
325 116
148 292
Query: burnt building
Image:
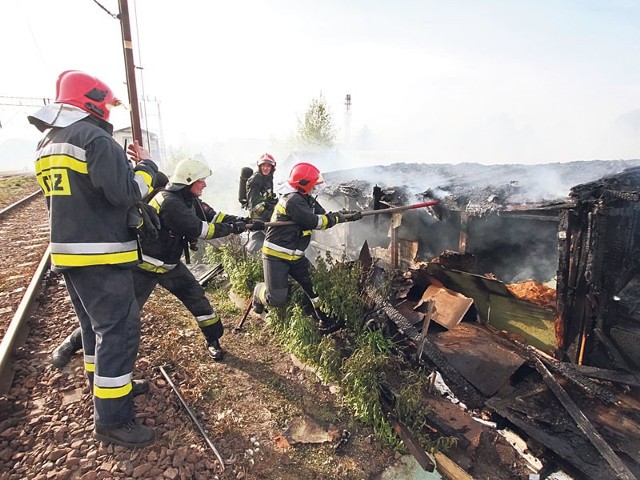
599 273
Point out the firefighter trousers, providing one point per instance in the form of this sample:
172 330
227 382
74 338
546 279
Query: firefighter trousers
274 291
181 283
104 301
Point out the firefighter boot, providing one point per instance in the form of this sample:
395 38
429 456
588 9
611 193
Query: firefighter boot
140 387
62 355
130 435
258 306
215 350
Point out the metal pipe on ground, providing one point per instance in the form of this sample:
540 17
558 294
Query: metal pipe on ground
193 417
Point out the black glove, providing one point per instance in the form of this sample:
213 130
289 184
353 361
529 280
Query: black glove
334 218
238 227
272 202
255 225
193 244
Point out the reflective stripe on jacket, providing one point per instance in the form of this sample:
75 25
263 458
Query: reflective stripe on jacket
89 188
181 217
289 242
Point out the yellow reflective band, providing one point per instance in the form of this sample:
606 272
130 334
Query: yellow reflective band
156 201
211 231
324 222
102 392
54 182
262 293
207 322
305 233
71 260
219 217
90 367
281 209
147 179
152 268
60 161
284 256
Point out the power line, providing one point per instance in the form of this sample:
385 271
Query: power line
24 101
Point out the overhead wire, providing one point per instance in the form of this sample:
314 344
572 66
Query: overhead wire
106 10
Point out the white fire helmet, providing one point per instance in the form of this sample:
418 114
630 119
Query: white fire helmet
188 171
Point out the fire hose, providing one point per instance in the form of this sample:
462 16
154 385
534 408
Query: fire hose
193 416
366 213
348 216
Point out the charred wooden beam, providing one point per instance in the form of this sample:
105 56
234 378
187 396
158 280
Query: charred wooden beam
562 368
425 327
608 375
620 469
611 350
464 389
387 402
464 231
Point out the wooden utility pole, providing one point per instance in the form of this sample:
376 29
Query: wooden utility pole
127 46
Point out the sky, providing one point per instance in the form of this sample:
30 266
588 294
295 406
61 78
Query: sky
493 81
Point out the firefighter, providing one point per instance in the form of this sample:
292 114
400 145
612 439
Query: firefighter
61 356
184 218
91 191
283 252
260 198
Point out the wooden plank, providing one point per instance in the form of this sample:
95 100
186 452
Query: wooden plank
609 375
486 362
621 470
541 416
449 468
411 443
450 306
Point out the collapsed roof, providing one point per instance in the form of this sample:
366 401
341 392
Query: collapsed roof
473 188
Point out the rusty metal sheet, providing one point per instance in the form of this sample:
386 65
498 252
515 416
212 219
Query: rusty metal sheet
450 306
484 362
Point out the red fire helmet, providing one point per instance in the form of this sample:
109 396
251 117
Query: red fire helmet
267 158
304 177
86 92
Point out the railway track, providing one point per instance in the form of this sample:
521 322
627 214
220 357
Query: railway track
46 419
22 249
46 414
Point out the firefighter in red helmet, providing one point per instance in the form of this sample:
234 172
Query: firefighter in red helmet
91 191
283 252
260 198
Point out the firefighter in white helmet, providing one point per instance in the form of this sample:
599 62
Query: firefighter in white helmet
260 198
90 191
184 218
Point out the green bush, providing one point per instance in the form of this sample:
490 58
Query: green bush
337 285
244 271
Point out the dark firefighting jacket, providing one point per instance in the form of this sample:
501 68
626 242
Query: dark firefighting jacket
90 188
183 217
289 242
260 196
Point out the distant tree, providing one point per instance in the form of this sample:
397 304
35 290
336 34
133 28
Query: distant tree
364 139
315 129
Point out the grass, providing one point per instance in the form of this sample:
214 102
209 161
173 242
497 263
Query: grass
13 189
359 361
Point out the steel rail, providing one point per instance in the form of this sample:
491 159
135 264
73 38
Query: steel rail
8 342
19 202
